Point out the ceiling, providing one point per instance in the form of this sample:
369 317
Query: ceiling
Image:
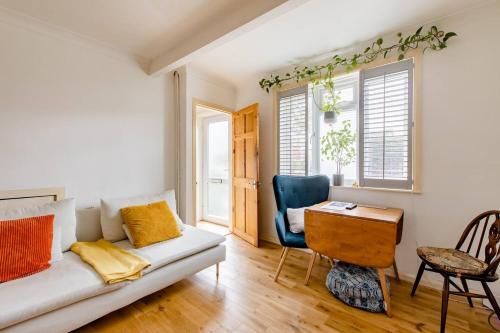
152 30
144 28
317 27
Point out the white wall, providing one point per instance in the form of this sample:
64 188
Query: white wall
77 115
460 140
200 86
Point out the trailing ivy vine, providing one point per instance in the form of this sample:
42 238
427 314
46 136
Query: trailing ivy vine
434 39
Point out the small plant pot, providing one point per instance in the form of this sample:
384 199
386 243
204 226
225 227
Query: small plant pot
338 180
330 117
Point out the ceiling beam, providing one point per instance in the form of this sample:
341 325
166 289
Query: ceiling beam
246 18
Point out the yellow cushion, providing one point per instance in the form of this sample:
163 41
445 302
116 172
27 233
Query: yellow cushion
150 223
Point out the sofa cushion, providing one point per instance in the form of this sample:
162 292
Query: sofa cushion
111 220
193 240
67 281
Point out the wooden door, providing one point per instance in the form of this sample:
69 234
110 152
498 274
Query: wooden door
246 173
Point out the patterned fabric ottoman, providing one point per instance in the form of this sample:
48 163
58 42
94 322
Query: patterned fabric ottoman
357 286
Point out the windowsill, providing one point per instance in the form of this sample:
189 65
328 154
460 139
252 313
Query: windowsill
394 190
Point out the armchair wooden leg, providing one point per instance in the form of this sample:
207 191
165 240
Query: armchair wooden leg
282 251
385 291
309 269
332 263
282 261
444 303
417 279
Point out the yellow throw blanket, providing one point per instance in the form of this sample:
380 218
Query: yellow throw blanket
111 262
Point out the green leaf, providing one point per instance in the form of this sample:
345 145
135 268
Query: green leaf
448 36
401 57
380 41
385 53
367 49
418 31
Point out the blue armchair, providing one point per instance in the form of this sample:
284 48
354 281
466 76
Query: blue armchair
295 192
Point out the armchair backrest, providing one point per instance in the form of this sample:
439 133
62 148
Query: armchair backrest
300 191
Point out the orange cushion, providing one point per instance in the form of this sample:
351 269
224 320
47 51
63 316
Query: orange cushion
25 246
149 224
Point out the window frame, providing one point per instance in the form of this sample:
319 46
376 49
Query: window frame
407 64
416 56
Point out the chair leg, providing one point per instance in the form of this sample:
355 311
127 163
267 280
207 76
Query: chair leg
444 303
396 273
282 251
309 269
217 270
491 298
417 279
466 289
282 261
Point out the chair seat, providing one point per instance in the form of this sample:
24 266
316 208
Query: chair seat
295 240
452 261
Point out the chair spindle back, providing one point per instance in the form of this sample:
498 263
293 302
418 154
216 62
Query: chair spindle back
487 221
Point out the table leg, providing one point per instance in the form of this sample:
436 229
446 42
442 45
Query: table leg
396 270
385 291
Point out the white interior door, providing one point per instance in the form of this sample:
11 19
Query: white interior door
216 197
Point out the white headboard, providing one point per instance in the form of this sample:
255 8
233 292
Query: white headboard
26 198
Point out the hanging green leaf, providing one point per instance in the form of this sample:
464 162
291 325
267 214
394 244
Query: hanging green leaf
434 39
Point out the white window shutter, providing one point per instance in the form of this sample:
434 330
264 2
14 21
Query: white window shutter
386 102
292 132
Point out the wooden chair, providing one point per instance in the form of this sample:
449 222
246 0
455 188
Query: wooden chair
464 264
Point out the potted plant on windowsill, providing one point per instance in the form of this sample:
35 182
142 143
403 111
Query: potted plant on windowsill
338 146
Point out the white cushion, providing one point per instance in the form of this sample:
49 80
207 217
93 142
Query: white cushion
193 240
67 281
64 222
296 219
111 219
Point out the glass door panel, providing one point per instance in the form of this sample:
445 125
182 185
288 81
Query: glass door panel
216 170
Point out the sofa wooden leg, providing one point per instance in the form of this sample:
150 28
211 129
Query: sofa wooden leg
282 261
309 269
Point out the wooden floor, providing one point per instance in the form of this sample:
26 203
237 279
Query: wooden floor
245 299
213 227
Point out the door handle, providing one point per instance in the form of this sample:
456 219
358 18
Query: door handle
215 180
254 183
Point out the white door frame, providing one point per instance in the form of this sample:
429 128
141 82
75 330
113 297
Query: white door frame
205 180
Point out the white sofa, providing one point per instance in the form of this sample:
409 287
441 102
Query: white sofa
71 294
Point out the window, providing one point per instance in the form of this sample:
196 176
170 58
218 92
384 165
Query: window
377 105
386 126
293 136
346 87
